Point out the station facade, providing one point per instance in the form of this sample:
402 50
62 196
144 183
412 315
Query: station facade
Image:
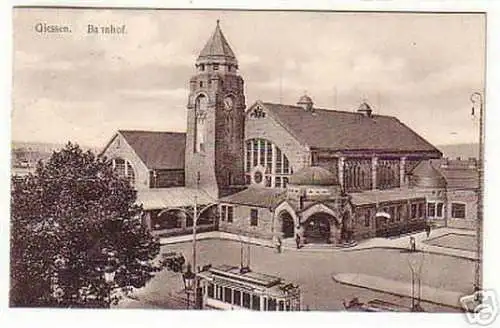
289 171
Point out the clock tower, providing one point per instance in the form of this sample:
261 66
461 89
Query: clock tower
215 120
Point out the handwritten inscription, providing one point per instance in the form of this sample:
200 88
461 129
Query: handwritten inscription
106 29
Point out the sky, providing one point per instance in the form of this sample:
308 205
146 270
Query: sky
80 87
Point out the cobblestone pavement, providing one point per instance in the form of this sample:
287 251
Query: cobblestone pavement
313 272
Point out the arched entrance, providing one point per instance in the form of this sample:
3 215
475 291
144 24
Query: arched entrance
287 225
317 228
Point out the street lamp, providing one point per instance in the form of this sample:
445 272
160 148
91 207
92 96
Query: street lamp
189 279
415 262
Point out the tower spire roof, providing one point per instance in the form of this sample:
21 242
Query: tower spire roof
217 49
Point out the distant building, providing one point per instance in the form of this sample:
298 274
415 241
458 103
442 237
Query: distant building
278 170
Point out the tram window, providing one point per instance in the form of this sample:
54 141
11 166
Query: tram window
237 297
281 305
228 295
256 302
210 290
246 300
271 304
219 293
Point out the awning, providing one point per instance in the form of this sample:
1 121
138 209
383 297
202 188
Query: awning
161 198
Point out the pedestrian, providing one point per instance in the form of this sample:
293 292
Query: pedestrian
428 230
278 245
297 240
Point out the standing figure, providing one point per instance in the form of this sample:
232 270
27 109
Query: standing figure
278 245
297 240
428 230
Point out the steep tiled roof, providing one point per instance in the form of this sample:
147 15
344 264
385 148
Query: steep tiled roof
158 150
341 130
255 196
217 47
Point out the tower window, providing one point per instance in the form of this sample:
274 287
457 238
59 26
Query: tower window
200 126
216 67
201 84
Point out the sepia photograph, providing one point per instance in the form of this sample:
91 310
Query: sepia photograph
259 160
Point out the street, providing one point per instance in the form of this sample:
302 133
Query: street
313 272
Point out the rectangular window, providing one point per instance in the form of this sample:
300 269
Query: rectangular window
256 302
431 209
254 217
229 214
216 67
223 213
268 181
228 295
392 214
237 297
286 165
458 211
285 182
246 300
277 182
439 210
269 157
279 169
255 151
399 211
210 290
271 304
413 214
281 305
421 210
262 152
218 294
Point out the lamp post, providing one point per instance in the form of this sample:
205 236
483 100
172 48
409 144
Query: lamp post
477 98
189 279
415 262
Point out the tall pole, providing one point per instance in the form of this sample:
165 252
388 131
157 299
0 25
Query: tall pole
477 97
195 219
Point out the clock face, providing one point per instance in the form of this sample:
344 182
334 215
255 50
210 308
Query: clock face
228 103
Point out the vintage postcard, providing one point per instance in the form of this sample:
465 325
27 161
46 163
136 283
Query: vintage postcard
248 160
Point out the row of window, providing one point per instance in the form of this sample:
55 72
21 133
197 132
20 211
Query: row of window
227 214
396 213
246 300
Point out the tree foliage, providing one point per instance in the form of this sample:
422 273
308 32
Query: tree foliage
71 221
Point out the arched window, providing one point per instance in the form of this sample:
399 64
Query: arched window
201 105
266 164
124 169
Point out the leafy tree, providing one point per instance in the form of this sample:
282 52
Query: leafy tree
71 221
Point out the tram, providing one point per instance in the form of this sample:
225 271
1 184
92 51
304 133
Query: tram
229 287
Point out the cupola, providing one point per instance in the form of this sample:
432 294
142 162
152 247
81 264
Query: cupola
365 109
306 102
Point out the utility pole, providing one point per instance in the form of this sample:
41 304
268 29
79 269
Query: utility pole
477 98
